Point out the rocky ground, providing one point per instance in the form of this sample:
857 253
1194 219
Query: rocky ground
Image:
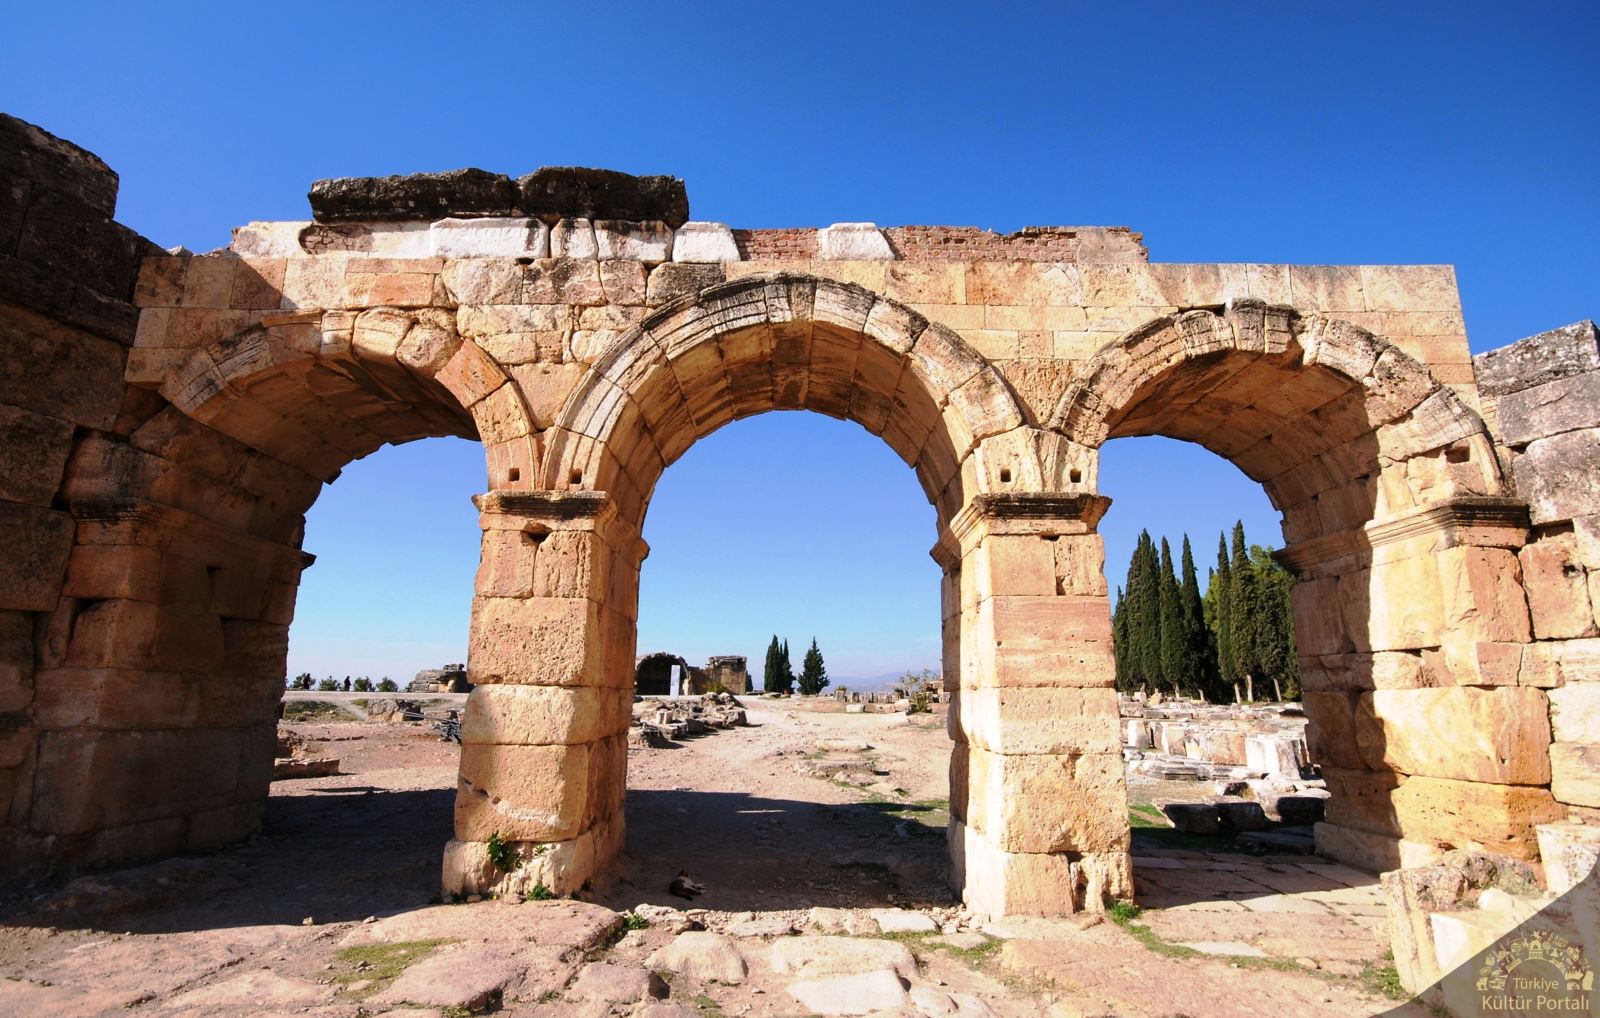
818 838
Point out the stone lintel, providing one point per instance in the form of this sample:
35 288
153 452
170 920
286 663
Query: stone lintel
1491 521
140 522
1042 514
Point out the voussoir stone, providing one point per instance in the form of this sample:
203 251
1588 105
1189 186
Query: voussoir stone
453 193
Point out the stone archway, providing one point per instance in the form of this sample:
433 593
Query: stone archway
1038 801
1399 529
652 675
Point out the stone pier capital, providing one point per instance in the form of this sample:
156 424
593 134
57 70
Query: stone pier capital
1483 521
1031 514
536 512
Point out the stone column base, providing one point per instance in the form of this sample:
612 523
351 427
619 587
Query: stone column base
995 882
561 867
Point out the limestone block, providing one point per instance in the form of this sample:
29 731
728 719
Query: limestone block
1578 660
400 289
1557 588
33 455
1272 754
563 281
1569 853
1441 811
1559 353
1317 630
573 238
542 641
542 715
704 242
1374 853
1044 803
1562 405
59 372
1495 735
1393 605
1575 772
1027 883
118 766
608 770
483 281
1410 287
1037 641
671 280
263 240
526 793
1015 564
1482 594
649 242
490 238
136 634
470 374
1560 476
561 867
1050 721
1575 712
853 242
39 541
624 282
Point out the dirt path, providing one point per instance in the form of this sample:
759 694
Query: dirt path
332 910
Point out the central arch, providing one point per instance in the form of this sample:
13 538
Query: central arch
1039 819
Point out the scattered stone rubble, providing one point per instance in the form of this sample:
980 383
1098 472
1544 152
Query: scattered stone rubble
292 761
658 722
1255 754
1442 916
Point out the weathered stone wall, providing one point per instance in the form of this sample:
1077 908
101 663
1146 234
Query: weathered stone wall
588 333
1544 395
145 600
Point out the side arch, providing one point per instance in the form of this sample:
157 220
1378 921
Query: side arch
796 342
317 390
1338 424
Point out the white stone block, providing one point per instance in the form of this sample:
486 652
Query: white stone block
853 242
269 240
573 238
400 240
490 238
704 242
638 242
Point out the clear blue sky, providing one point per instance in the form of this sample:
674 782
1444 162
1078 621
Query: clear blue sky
1415 133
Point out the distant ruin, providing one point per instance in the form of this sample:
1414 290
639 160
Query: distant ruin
168 418
667 674
451 678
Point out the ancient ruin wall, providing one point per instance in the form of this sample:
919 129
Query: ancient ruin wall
1543 394
588 352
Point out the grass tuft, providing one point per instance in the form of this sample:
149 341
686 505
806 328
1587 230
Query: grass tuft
380 963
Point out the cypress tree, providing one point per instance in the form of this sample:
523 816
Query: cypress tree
813 674
786 670
1197 638
1219 592
771 672
1145 625
1119 643
1173 645
1243 610
1276 654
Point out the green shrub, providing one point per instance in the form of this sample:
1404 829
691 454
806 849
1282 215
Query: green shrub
501 853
